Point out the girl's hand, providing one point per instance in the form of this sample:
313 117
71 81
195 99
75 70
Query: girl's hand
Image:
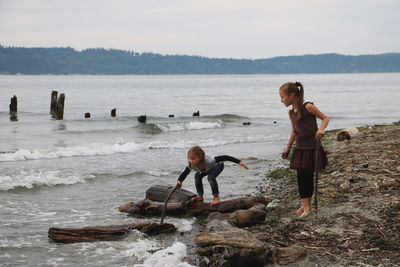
178 184
243 165
285 153
320 133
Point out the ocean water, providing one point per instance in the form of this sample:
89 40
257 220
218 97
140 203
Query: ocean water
76 172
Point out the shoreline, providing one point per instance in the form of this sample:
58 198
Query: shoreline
358 222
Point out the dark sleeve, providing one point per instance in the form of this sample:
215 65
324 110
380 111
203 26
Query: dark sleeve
184 174
227 158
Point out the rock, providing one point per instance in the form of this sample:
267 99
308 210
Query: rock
216 216
233 237
218 225
273 204
364 165
288 255
248 217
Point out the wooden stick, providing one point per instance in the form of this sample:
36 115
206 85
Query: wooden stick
166 201
316 176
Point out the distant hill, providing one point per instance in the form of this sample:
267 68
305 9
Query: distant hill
14 60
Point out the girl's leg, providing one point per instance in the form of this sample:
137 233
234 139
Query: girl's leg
198 181
212 179
305 180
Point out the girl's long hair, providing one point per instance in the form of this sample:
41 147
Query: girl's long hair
298 90
199 152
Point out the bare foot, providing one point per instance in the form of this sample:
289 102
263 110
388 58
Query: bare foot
304 214
199 198
215 201
299 210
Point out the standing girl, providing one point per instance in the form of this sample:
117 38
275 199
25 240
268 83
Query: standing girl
205 165
305 133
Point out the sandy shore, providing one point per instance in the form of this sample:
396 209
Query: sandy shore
358 220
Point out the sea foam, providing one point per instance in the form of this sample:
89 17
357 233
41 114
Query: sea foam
100 149
32 178
168 257
183 126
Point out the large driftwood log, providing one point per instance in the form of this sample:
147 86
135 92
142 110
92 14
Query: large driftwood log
95 233
347 134
159 193
149 207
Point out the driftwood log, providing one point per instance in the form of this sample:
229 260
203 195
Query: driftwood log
347 134
160 192
180 203
112 232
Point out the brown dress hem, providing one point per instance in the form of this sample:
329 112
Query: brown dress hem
305 159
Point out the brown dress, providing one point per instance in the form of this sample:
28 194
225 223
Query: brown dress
305 128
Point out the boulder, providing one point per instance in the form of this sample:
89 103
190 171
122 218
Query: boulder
231 247
254 215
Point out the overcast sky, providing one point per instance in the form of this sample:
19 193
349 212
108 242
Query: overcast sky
210 28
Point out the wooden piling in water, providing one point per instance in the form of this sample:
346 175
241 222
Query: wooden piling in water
142 119
53 103
114 112
60 107
13 105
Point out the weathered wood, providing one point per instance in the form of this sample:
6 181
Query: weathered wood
160 192
13 105
347 134
112 232
114 112
149 207
142 119
53 103
60 107
202 208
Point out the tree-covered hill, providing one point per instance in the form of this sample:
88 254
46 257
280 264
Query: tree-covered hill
14 60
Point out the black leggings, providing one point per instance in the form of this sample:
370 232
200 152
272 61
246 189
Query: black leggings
305 181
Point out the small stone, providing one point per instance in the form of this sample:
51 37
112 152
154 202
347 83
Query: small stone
398 169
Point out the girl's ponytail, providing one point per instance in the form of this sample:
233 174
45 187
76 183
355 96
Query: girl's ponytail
300 98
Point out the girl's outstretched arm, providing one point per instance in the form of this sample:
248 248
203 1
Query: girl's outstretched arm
325 120
183 176
230 158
